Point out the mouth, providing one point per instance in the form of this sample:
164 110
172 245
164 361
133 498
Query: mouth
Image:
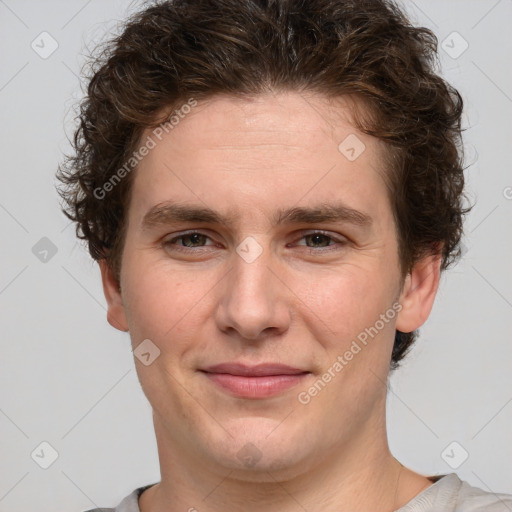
260 381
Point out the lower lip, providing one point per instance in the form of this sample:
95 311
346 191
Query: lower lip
255 387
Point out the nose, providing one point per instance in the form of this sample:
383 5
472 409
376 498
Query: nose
253 302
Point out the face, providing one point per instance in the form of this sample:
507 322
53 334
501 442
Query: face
260 238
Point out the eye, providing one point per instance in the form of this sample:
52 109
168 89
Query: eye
319 240
311 241
189 240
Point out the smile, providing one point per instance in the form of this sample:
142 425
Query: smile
261 381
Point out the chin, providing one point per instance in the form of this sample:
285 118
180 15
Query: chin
252 447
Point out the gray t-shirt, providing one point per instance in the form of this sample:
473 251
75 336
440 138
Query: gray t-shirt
448 494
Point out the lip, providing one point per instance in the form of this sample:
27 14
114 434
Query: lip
259 370
260 381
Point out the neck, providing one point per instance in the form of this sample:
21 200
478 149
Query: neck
357 475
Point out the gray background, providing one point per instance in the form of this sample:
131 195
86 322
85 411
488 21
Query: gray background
68 378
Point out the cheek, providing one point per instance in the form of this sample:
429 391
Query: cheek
345 302
160 302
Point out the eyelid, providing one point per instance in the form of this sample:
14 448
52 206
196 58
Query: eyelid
299 235
334 236
176 236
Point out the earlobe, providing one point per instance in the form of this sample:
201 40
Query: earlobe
418 293
116 315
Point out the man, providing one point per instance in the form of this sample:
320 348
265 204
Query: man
272 190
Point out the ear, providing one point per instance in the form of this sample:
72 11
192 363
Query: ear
116 315
418 293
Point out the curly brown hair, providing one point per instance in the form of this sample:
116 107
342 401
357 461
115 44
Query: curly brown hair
174 50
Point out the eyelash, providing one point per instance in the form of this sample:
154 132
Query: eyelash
175 246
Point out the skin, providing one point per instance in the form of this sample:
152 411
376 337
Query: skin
302 302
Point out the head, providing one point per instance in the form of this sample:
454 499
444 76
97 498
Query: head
314 136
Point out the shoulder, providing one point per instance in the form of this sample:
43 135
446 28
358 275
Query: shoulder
128 504
449 493
474 499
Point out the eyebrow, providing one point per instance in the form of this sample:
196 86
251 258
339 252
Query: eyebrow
323 213
169 213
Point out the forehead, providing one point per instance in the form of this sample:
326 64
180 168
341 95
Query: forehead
270 151
277 119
